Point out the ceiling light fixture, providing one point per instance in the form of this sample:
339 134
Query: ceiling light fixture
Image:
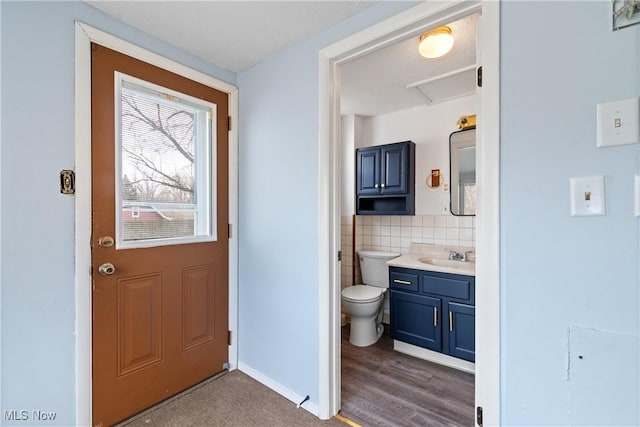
436 43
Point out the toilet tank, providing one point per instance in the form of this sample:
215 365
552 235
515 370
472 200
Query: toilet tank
373 265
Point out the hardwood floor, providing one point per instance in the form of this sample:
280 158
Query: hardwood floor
382 387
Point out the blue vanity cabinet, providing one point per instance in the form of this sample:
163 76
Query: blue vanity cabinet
408 313
385 179
462 331
433 310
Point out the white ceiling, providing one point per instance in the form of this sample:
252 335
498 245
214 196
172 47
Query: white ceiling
377 83
234 35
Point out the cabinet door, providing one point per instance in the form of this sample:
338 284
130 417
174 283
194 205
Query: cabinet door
462 334
368 171
395 160
416 319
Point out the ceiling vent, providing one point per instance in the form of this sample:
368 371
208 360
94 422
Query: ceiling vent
448 86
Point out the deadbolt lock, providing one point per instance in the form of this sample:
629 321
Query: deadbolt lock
105 241
107 269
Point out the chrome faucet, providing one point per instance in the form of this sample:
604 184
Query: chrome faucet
456 256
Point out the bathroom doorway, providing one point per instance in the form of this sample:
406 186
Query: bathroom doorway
336 57
388 383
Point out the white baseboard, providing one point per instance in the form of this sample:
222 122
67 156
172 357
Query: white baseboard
278 388
435 357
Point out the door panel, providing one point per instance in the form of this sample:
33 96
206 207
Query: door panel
198 321
416 319
160 320
139 320
462 333
394 160
368 178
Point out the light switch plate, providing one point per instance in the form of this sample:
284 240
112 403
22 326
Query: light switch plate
617 122
636 196
587 196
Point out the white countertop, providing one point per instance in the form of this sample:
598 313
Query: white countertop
436 254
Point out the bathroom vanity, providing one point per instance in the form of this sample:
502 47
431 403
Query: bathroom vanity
432 302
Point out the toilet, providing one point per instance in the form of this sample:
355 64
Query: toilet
365 303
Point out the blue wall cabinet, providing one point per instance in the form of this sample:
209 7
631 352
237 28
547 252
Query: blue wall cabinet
385 179
433 310
395 163
368 170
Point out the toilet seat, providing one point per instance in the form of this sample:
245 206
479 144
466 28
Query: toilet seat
362 293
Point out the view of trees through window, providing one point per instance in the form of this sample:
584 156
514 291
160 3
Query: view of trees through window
158 166
157 151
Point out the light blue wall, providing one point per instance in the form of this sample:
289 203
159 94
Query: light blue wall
38 365
557 271
559 59
278 240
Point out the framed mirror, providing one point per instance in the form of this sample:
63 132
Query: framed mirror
462 157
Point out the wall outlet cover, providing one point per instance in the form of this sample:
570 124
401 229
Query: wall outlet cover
587 195
617 122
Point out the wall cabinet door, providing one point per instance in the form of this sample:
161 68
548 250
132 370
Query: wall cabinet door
462 334
416 319
368 171
394 169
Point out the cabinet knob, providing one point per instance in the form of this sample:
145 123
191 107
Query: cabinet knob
382 185
375 186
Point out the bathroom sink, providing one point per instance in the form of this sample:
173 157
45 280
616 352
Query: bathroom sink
467 265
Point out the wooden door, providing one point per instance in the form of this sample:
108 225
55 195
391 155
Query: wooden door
159 237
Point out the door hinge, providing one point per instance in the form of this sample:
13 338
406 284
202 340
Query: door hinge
339 255
67 182
479 76
479 415
229 123
228 231
228 337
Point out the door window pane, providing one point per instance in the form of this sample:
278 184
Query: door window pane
164 163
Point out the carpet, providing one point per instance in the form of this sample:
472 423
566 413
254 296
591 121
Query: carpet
233 399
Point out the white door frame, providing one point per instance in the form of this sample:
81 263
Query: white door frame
411 23
84 36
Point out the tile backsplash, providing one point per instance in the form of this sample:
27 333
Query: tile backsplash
396 233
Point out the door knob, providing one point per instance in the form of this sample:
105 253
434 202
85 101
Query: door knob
107 269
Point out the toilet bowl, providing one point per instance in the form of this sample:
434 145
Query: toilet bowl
365 303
